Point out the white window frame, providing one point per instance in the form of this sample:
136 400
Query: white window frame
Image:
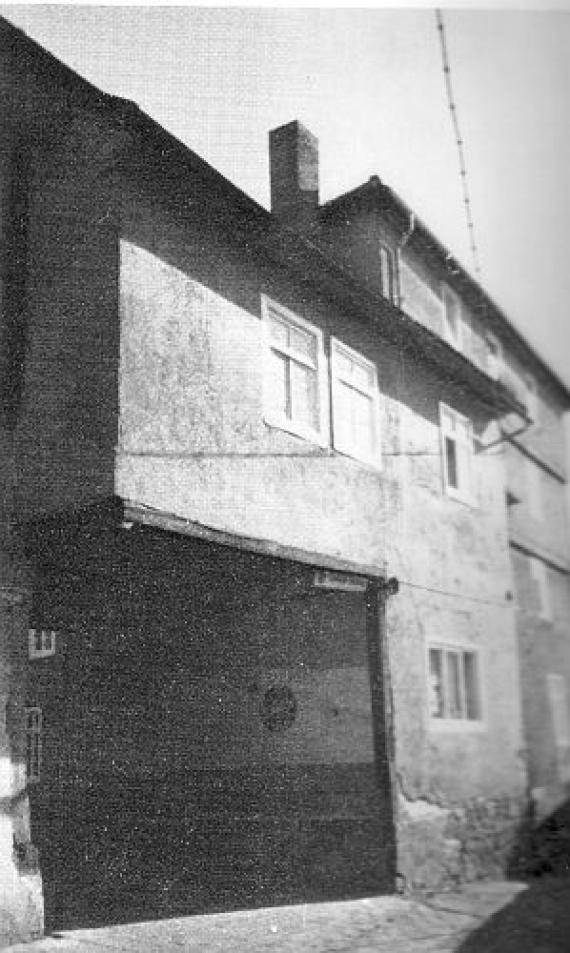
318 435
449 297
34 743
539 572
388 281
464 491
371 455
495 359
41 643
463 723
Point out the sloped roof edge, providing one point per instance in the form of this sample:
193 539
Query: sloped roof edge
380 194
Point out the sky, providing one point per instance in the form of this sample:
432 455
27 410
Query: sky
369 84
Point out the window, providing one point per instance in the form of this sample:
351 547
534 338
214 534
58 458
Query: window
452 324
41 643
457 452
556 685
33 744
494 355
531 398
454 684
539 571
356 414
387 273
295 381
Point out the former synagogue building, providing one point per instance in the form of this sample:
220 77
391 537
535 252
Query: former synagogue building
284 589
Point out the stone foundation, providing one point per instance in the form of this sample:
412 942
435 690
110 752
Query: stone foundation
442 846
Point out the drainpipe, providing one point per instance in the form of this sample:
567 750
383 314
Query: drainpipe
399 247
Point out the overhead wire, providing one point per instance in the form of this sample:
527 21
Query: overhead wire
459 142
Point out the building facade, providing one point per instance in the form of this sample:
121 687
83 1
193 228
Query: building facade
263 520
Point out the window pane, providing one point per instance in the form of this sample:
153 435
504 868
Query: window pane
278 384
472 701
343 365
303 343
278 331
304 396
451 462
362 376
435 683
454 709
386 274
463 467
362 422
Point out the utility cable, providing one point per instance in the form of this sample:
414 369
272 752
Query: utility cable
459 141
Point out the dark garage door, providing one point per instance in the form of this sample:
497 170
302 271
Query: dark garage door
210 737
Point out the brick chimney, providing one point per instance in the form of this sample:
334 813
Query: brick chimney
294 171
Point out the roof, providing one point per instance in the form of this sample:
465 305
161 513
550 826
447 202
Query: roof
376 193
259 229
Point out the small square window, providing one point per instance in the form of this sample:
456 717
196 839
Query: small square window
41 643
356 411
387 273
457 453
295 394
454 684
452 321
33 744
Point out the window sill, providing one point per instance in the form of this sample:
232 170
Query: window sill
288 426
456 725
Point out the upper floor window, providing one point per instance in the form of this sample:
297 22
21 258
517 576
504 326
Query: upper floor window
452 325
387 273
494 355
295 394
457 452
531 398
559 709
356 415
539 571
454 684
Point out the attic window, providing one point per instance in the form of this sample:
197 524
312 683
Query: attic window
494 355
387 273
452 325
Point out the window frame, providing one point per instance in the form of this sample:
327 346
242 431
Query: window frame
455 340
34 743
463 723
321 435
372 457
463 494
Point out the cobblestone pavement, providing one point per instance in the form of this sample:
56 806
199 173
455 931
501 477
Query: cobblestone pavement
481 918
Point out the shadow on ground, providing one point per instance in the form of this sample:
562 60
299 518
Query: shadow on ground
538 919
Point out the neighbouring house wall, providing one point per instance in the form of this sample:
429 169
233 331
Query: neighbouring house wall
193 442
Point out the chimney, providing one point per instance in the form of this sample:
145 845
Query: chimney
294 171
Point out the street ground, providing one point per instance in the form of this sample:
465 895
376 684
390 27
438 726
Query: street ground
495 917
